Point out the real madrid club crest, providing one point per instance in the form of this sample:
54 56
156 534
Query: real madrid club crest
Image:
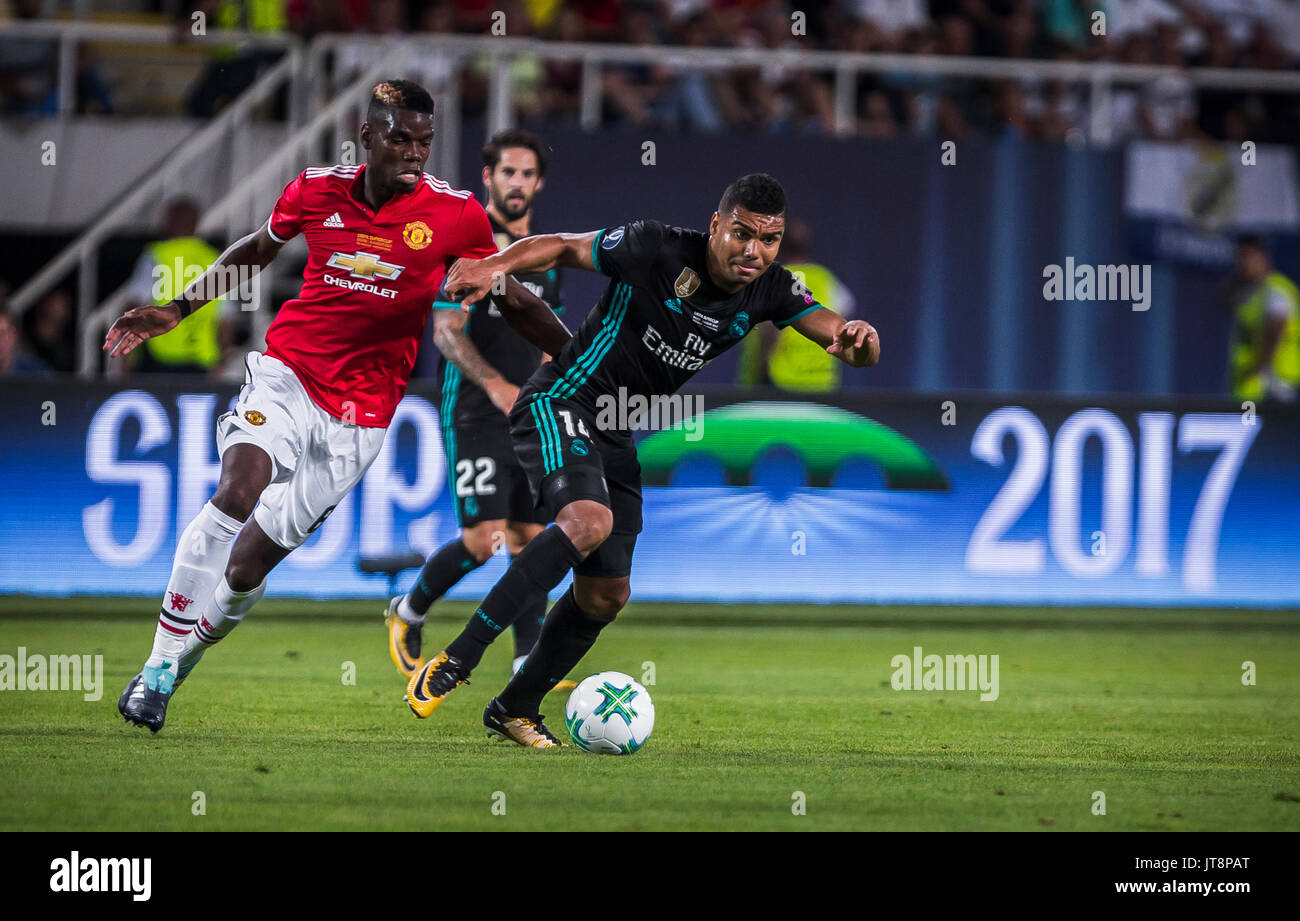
686 283
417 235
739 325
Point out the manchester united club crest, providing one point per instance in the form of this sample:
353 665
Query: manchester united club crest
254 417
417 235
686 283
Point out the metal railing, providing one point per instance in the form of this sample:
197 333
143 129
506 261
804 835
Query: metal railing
68 34
83 252
846 68
246 205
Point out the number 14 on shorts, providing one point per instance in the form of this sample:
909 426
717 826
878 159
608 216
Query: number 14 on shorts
568 424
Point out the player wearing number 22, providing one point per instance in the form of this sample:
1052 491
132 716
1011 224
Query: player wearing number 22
676 299
314 408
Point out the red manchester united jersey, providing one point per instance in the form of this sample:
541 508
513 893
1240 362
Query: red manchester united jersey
352 334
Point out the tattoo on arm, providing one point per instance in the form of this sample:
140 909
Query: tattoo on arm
449 336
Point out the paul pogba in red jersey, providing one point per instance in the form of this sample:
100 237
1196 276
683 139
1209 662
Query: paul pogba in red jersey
314 408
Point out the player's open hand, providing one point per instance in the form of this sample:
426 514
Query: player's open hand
139 324
857 342
470 280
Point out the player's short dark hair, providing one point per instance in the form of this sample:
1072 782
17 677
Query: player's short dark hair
398 94
514 137
757 192
1253 241
181 202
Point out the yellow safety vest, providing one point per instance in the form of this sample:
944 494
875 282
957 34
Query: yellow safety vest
1249 324
253 15
196 340
797 363
249 15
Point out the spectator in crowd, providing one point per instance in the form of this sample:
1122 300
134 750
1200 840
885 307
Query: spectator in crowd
890 25
15 360
231 70
787 97
561 92
1069 24
776 97
701 98
1169 103
1011 116
1015 35
200 344
47 329
1264 350
312 17
28 69
384 27
1061 111
1282 23
877 119
1219 111
633 92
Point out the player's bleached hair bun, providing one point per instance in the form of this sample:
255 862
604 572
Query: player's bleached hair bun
400 94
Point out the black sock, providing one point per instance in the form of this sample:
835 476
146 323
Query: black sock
537 569
529 625
451 563
566 636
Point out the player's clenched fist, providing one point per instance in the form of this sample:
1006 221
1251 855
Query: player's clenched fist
470 280
860 337
139 324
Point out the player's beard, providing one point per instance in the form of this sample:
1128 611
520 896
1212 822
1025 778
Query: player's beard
512 208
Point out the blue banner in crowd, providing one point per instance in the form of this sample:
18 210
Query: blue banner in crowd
859 499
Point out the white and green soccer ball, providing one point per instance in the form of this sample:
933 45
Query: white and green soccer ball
609 714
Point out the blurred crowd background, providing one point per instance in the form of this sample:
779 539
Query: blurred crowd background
948 260
1257 34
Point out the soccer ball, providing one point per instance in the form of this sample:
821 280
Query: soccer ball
609 714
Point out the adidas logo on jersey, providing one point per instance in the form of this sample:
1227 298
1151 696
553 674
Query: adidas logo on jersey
334 220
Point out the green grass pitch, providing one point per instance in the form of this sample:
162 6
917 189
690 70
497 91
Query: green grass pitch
755 705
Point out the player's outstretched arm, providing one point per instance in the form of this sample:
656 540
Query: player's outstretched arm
251 253
470 279
449 336
531 317
854 342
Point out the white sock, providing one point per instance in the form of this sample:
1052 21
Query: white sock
225 611
201 556
407 613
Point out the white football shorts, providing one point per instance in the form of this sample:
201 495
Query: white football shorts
316 459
